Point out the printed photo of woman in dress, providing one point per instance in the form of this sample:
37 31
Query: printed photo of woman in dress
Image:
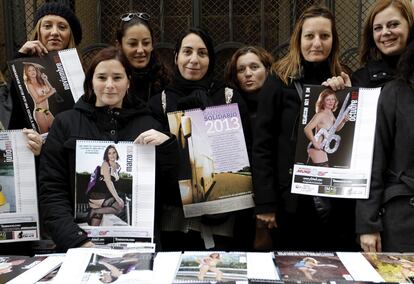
40 89
103 197
321 129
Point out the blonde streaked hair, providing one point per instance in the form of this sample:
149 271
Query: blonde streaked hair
289 66
320 103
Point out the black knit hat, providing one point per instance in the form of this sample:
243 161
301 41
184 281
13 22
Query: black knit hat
59 9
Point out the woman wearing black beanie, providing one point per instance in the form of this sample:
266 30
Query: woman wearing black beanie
56 28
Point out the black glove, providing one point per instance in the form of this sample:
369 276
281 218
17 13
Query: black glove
197 99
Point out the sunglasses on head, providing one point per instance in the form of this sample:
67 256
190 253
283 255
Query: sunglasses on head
129 16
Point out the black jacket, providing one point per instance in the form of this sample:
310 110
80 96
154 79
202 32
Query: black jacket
393 160
274 145
274 142
57 163
375 73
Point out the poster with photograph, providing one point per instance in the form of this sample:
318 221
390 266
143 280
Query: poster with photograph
19 218
212 266
97 266
14 265
310 266
393 267
37 269
47 85
214 174
115 191
335 142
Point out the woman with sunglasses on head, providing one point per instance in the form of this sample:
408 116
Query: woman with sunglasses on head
134 36
302 222
106 112
384 39
193 86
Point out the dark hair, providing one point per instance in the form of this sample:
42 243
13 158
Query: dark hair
290 65
369 50
105 156
124 25
231 69
203 34
103 55
161 73
405 66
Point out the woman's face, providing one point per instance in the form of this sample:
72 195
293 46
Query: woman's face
251 73
54 32
390 31
137 45
112 155
31 72
110 83
316 39
329 102
192 59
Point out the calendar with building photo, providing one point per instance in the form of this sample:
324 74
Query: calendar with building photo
335 140
214 173
115 190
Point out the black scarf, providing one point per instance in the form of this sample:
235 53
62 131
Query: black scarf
184 87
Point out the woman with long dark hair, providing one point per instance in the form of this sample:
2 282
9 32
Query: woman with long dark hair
135 37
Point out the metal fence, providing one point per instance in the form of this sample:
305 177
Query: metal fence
231 24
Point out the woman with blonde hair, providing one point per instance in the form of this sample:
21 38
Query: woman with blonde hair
40 89
313 58
384 39
56 27
323 119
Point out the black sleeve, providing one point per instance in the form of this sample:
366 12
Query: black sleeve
367 210
360 78
246 122
157 111
265 147
55 202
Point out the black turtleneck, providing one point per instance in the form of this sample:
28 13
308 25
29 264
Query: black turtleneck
315 72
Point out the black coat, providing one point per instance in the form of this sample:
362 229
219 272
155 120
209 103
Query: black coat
274 147
57 162
390 207
375 73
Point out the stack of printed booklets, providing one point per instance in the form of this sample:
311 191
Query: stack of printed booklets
140 265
